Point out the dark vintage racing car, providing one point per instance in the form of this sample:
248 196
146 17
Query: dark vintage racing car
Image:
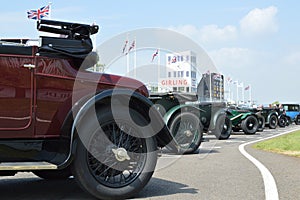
188 118
58 119
272 117
244 120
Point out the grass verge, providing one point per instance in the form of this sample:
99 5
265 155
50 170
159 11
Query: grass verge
288 144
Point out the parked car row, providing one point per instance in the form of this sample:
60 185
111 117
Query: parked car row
251 120
188 119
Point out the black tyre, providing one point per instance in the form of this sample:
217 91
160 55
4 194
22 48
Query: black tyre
282 121
261 123
187 131
225 128
236 129
53 174
111 161
288 121
250 125
297 120
273 122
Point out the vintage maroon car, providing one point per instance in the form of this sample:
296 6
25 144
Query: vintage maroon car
58 119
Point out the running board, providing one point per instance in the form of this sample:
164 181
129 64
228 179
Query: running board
19 166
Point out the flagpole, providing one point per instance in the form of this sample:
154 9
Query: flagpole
158 67
231 98
50 9
237 93
127 57
250 93
134 65
243 92
230 92
210 95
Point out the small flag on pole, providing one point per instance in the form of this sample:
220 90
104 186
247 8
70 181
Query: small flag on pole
207 72
39 13
125 45
154 55
229 80
131 46
174 60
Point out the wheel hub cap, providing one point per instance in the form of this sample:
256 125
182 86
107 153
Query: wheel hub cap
188 133
121 154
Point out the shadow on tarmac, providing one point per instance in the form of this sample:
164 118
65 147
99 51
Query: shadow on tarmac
160 187
34 188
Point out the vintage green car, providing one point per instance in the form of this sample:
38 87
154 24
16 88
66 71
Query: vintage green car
188 118
270 117
243 120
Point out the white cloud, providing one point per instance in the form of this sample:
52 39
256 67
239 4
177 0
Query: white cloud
209 33
293 58
232 58
259 21
213 32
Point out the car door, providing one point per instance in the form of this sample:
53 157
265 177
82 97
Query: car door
16 91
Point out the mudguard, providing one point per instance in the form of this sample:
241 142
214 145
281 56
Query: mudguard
213 121
186 107
245 115
163 137
269 116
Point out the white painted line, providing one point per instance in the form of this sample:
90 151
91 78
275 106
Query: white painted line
235 141
271 192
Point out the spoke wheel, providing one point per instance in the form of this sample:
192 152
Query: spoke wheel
261 123
114 159
187 131
250 125
119 163
273 122
282 121
223 127
297 120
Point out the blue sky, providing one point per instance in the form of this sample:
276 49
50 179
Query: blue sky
254 42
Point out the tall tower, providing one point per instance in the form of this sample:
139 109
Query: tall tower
181 72
211 87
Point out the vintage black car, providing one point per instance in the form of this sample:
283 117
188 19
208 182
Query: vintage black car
58 119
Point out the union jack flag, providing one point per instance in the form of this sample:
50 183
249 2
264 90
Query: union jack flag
39 13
